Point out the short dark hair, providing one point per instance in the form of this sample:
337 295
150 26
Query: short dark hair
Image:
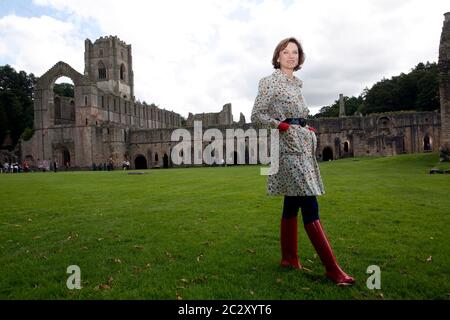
281 46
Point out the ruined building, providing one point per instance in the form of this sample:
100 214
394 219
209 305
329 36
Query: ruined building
94 126
444 87
103 122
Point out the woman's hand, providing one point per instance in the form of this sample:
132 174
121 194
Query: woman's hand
283 126
312 129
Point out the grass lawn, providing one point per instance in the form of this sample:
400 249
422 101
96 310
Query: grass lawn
212 233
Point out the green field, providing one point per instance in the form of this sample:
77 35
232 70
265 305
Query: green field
212 233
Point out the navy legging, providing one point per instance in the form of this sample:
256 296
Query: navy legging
308 204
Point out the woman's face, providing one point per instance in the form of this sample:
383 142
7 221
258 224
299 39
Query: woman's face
288 57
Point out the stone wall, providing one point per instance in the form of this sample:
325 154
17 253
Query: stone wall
224 117
444 87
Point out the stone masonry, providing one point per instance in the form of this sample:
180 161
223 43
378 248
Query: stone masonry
104 123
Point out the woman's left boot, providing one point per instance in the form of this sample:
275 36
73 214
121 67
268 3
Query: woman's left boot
322 245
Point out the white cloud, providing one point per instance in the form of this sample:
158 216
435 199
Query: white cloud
195 56
35 44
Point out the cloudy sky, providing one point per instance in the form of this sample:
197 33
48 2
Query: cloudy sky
195 56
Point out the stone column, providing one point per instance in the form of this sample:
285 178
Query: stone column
444 88
341 106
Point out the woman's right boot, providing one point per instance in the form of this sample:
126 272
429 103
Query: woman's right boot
288 240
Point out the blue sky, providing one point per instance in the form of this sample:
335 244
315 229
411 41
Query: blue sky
195 56
28 9
25 8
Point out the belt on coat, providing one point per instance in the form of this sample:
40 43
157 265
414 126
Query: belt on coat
299 121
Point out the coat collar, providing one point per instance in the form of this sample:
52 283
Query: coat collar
279 74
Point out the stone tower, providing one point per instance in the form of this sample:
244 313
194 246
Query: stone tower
108 62
444 88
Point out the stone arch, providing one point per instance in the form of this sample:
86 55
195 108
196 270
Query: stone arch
384 121
61 69
327 154
62 155
385 125
44 95
140 162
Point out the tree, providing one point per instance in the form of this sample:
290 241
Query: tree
3 124
352 105
64 89
16 104
417 90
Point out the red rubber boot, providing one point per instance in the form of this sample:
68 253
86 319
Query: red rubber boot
288 240
322 245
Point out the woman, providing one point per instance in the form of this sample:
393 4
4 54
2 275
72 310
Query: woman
280 104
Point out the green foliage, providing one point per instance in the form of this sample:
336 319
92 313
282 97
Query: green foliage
418 91
3 123
64 89
27 134
16 105
352 105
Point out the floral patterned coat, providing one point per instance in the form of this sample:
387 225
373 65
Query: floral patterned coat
280 97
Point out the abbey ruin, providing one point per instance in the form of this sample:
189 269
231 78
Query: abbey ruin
104 122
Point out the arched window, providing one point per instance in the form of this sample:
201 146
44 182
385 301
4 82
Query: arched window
156 157
427 143
101 71
327 154
140 162
122 72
